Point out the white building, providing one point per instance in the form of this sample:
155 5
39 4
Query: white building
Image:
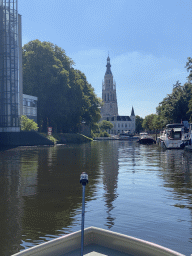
30 106
109 111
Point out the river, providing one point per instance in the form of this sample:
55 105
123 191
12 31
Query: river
137 190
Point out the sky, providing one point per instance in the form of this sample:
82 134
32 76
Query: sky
148 42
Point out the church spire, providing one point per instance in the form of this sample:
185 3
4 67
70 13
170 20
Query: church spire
108 71
132 112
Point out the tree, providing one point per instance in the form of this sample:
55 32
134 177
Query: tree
175 107
105 125
65 98
138 124
28 124
189 68
148 122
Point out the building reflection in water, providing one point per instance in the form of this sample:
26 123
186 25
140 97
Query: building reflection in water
110 168
112 153
10 202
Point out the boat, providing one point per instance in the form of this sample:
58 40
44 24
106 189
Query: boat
125 135
175 136
145 138
98 242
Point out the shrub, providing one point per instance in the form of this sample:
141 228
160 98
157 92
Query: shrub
28 124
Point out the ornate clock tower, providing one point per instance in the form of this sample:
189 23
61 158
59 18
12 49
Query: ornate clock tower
109 109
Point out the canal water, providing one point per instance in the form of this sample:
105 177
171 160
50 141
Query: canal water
137 190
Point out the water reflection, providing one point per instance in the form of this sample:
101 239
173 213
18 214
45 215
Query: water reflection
58 193
110 168
177 172
10 201
41 195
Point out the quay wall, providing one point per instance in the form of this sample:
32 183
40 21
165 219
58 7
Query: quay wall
23 138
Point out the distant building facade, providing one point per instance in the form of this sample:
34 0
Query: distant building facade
109 110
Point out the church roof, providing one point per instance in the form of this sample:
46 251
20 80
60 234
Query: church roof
118 118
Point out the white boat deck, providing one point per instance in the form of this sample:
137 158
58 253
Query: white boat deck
96 250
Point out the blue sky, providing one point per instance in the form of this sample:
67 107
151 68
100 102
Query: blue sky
148 42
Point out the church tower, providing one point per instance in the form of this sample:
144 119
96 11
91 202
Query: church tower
109 109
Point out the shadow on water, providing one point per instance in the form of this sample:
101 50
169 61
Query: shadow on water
40 192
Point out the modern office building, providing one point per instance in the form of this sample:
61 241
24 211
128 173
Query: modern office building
13 103
109 110
10 24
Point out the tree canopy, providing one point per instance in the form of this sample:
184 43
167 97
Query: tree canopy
65 98
138 124
175 107
105 125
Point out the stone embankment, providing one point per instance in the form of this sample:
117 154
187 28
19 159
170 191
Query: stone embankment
23 138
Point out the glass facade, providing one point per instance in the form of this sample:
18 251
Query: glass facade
9 67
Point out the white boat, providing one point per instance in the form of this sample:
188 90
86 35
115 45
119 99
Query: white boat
175 136
98 242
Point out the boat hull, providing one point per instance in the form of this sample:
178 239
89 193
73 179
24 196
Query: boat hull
172 144
70 245
147 141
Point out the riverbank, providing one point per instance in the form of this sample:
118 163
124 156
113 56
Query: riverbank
32 138
63 138
116 138
23 138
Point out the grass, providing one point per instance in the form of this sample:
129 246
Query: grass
62 138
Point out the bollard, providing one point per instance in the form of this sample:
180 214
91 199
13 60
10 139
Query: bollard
83 181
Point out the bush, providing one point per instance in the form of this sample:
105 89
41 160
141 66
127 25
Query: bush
104 134
28 124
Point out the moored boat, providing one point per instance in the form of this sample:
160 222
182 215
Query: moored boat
145 138
97 242
175 136
125 136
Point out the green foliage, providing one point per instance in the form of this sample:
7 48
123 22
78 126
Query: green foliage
189 68
28 124
157 122
176 106
148 122
138 124
65 98
103 134
105 125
